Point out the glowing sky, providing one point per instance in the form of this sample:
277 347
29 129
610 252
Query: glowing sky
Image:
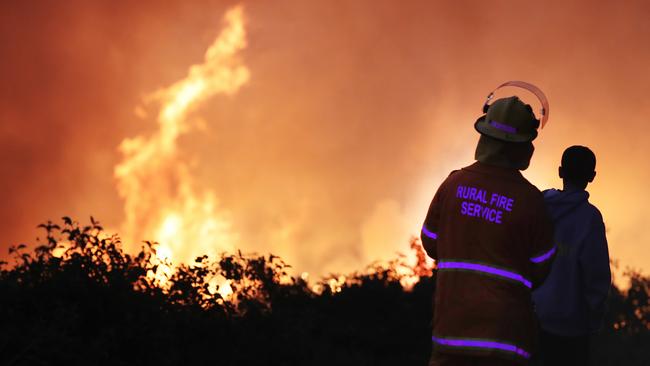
353 114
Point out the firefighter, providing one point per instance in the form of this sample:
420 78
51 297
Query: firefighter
490 234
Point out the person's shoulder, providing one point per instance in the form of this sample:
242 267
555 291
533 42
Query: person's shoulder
448 180
530 189
551 193
454 174
533 197
455 171
597 216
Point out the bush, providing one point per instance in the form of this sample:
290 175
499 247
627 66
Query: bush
91 303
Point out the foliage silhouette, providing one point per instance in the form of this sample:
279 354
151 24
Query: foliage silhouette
79 299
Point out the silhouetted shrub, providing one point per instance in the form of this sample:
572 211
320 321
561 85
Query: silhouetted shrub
79 299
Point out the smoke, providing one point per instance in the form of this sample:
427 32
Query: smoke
329 154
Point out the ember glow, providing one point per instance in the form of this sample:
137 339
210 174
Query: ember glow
162 201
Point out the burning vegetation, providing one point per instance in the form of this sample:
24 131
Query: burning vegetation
79 298
188 295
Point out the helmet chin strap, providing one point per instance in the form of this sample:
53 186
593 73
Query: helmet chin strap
531 88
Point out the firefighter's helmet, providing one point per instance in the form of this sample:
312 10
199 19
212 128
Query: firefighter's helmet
510 119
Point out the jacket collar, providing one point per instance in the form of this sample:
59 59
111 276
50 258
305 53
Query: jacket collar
494 170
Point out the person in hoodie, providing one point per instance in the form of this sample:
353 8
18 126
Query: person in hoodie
570 305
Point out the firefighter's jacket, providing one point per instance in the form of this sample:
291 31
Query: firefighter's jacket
492 239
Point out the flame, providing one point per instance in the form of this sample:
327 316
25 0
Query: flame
161 199
224 289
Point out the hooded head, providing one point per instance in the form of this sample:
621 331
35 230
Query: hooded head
515 155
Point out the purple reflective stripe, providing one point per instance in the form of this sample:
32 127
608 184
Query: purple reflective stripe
503 127
476 343
544 256
485 269
430 234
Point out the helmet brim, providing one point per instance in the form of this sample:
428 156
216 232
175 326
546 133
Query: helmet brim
484 128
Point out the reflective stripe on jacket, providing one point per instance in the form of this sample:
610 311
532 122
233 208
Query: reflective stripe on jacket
489 232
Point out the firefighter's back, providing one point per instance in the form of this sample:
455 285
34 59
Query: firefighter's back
492 222
488 230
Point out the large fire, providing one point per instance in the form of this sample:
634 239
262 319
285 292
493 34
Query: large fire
161 199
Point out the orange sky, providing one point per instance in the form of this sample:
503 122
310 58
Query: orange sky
354 112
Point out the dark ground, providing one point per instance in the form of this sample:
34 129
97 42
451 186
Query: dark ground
97 306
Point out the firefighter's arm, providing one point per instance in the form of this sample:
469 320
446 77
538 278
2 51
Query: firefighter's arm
429 232
596 275
544 249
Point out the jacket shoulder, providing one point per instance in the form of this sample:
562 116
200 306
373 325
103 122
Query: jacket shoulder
454 174
595 212
531 187
531 191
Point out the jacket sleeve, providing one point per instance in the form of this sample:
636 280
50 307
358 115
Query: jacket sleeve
596 276
543 249
429 232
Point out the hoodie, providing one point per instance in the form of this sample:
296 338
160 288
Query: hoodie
571 302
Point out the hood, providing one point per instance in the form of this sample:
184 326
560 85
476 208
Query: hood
560 203
504 154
